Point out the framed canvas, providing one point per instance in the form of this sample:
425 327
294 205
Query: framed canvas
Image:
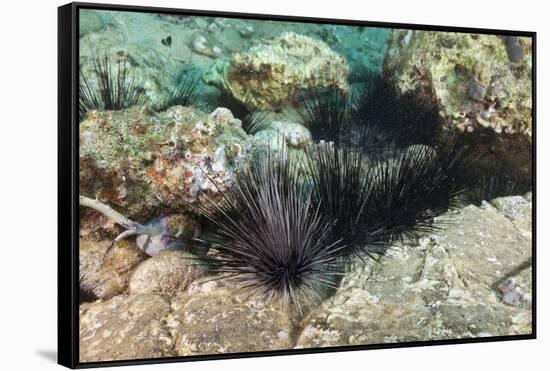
238 185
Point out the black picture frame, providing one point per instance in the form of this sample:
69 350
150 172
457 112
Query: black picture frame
68 183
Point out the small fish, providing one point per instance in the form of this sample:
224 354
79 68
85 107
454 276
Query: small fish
167 41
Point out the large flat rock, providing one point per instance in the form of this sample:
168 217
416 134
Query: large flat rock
125 327
471 279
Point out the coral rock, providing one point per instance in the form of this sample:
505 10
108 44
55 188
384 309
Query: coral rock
481 83
269 75
146 165
469 75
291 134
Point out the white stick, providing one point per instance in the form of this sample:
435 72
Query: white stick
110 213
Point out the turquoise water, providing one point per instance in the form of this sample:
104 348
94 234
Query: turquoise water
145 38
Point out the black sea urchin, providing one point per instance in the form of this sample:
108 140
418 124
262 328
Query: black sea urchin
324 113
108 87
88 288
406 118
489 187
184 92
287 232
270 238
377 202
409 189
374 116
340 187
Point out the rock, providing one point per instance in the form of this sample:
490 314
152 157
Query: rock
296 135
514 48
516 289
518 209
202 45
270 74
146 164
476 86
292 134
106 275
445 64
125 328
167 273
213 319
460 282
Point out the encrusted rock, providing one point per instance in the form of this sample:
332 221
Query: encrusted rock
460 282
146 165
167 273
478 88
270 74
470 76
125 328
280 133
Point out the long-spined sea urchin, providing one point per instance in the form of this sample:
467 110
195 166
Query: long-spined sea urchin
409 189
184 93
324 113
405 118
109 88
270 238
377 202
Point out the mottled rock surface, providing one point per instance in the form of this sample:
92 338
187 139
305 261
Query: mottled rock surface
125 327
269 75
519 210
213 319
479 89
147 164
470 75
106 275
471 279
167 273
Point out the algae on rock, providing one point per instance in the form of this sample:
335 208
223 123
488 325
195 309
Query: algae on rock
481 91
471 77
271 75
148 164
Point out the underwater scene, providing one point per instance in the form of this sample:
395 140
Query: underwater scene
254 185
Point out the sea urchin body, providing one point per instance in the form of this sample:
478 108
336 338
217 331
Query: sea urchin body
270 238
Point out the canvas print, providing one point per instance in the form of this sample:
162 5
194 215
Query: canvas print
251 185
